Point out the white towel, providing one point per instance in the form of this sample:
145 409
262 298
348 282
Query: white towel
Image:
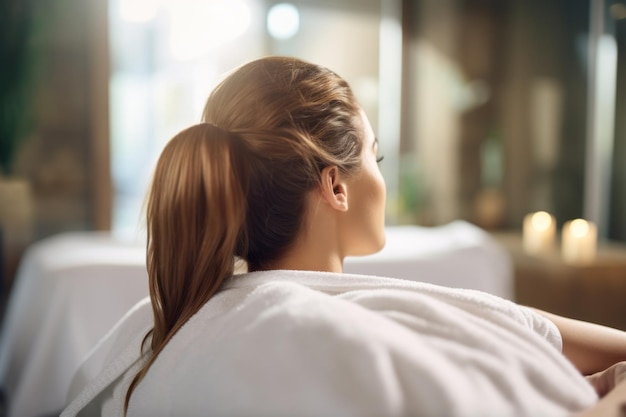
295 343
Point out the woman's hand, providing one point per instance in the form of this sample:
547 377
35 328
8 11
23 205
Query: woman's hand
605 381
613 404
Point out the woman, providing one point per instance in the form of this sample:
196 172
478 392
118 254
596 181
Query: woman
283 174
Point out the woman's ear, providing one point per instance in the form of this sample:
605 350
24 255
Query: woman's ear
333 188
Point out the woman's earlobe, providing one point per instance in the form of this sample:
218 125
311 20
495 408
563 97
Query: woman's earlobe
341 197
334 189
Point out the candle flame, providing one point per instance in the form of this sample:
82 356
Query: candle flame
579 227
541 220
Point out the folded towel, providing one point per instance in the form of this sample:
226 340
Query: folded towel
297 343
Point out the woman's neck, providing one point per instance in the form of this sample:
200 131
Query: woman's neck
308 257
316 248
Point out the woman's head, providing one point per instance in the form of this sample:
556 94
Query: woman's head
238 184
295 118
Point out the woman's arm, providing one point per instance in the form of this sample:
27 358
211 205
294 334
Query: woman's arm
590 347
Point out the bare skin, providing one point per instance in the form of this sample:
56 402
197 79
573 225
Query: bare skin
612 404
605 381
590 347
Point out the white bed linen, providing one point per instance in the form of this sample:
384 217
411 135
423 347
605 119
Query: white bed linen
69 291
301 343
72 288
457 254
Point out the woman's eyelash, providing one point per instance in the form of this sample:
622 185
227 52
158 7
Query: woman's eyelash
379 160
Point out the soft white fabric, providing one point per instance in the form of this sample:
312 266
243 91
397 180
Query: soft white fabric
73 287
69 291
294 343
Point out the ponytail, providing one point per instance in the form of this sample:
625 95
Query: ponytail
241 189
195 217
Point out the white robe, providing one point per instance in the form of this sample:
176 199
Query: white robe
296 343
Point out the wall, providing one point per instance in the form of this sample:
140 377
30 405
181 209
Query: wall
495 122
63 157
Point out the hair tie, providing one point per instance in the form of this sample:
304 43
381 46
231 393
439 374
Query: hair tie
216 127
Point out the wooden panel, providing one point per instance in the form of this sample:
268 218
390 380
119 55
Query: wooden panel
595 292
100 154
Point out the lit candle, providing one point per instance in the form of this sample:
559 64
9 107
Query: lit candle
579 240
538 233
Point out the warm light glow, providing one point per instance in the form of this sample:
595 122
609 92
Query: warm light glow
138 10
580 239
283 21
541 220
538 233
199 26
579 228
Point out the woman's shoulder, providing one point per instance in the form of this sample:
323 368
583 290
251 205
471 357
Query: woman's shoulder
310 344
276 348
376 294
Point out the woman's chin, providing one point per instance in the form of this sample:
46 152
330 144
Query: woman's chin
382 241
371 247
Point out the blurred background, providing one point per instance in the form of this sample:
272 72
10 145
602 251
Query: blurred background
485 109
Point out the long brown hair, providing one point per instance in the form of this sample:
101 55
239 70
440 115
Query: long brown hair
235 185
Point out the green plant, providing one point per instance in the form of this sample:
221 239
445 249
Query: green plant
17 76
